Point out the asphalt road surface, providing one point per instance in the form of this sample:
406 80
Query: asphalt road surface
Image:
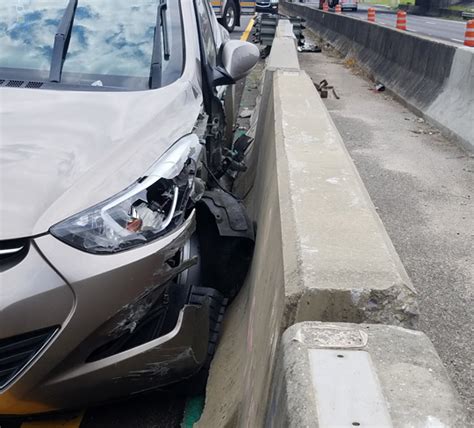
153 410
239 31
422 186
438 28
443 29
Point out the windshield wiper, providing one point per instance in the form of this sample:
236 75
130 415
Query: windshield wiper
61 42
161 37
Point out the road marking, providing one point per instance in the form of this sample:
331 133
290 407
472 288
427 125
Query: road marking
247 31
450 21
457 40
71 422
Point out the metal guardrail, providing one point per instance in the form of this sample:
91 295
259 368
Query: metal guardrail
467 15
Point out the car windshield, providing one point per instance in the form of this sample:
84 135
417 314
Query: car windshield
111 42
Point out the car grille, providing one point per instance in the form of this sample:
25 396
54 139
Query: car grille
16 352
20 84
12 252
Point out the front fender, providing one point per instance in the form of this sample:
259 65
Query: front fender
230 214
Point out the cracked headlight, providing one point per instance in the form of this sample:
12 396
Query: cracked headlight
150 208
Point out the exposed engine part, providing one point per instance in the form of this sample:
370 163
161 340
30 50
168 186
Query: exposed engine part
214 137
241 145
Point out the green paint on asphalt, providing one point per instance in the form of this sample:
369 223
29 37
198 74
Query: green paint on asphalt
193 411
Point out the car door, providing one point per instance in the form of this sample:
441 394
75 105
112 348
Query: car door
211 40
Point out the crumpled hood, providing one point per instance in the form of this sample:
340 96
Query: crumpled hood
64 151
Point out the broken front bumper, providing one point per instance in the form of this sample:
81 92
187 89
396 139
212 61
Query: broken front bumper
87 304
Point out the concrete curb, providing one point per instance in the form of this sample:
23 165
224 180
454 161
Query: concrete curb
423 72
361 375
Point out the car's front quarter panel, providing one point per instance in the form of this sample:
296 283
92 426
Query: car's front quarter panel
91 299
106 297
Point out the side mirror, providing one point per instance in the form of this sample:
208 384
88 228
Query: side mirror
237 59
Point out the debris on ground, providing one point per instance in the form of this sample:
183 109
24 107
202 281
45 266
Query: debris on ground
245 113
241 145
323 88
309 47
424 131
379 87
350 62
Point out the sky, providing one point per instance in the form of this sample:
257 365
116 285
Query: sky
108 37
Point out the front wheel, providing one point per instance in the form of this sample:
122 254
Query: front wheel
229 17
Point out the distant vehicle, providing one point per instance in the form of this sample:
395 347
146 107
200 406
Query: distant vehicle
345 4
267 6
228 12
348 4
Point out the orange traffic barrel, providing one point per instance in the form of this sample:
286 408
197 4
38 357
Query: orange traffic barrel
338 8
325 6
401 20
469 37
371 14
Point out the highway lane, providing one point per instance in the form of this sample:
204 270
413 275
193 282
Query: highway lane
439 28
239 31
444 29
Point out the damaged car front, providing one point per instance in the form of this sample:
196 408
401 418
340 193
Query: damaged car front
118 241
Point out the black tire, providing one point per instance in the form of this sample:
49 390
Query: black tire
196 384
229 17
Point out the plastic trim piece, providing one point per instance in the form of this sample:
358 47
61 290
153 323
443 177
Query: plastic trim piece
230 214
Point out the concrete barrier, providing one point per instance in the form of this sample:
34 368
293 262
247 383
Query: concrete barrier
339 262
283 56
241 371
321 252
434 78
349 375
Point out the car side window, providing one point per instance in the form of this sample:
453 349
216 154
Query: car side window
206 31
